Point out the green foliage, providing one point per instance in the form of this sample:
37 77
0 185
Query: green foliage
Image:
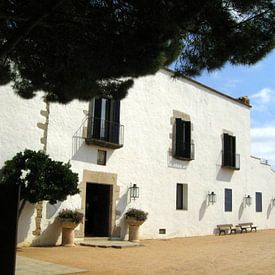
41 178
79 49
70 215
136 214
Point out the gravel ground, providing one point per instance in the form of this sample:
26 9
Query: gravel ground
247 253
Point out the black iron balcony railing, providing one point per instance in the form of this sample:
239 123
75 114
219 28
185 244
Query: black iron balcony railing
230 160
105 133
184 150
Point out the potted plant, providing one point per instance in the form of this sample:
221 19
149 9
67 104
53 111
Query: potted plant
70 219
135 218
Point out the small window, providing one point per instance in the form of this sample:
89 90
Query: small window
101 157
182 197
228 200
258 201
162 231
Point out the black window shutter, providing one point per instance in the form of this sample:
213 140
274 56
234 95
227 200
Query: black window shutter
227 150
187 139
96 123
115 121
258 202
228 200
233 150
179 138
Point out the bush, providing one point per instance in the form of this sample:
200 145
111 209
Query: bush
40 177
71 216
136 214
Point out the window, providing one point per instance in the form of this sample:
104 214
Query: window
101 157
228 200
230 158
182 197
258 201
104 126
183 148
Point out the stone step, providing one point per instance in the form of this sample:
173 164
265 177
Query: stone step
107 243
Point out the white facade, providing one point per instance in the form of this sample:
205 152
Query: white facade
148 114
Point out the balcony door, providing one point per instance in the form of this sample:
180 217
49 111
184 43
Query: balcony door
106 120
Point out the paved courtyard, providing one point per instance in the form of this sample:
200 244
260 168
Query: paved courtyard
248 253
28 266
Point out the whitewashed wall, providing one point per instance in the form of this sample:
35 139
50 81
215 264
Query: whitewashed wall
19 131
145 159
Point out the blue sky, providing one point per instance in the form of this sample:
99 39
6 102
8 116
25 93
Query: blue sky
258 83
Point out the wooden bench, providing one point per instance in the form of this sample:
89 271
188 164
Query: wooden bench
247 225
223 228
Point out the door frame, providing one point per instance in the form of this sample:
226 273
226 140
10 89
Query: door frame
100 178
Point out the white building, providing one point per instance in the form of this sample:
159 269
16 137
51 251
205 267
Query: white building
176 140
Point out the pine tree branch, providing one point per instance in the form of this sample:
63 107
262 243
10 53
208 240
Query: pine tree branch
253 17
26 29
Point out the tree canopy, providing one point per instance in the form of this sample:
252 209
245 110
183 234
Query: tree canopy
40 177
77 49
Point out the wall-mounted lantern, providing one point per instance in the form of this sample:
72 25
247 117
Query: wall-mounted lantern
212 197
248 200
273 201
134 192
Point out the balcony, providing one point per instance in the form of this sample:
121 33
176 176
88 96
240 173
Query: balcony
184 150
230 160
105 133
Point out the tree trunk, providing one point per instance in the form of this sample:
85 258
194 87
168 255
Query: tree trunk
21 207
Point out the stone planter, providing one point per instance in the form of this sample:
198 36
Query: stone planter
134 229
68 228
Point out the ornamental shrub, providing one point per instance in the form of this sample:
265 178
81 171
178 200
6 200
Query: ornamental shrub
136 214
40 177
70 215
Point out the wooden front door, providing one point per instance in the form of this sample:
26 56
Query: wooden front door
97 213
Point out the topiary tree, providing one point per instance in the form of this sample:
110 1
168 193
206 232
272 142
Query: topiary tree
40 177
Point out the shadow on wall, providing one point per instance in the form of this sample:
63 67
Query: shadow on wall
241 209
215 231
25 220
223 174
88 154
52 209
202 209
120 229
175 163
85 153
123 228
50 236
268 210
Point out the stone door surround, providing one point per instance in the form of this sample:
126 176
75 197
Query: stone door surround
99 178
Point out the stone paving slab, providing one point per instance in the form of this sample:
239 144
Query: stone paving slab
107 243
28 266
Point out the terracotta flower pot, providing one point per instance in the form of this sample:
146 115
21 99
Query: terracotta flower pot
68 233
134 229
